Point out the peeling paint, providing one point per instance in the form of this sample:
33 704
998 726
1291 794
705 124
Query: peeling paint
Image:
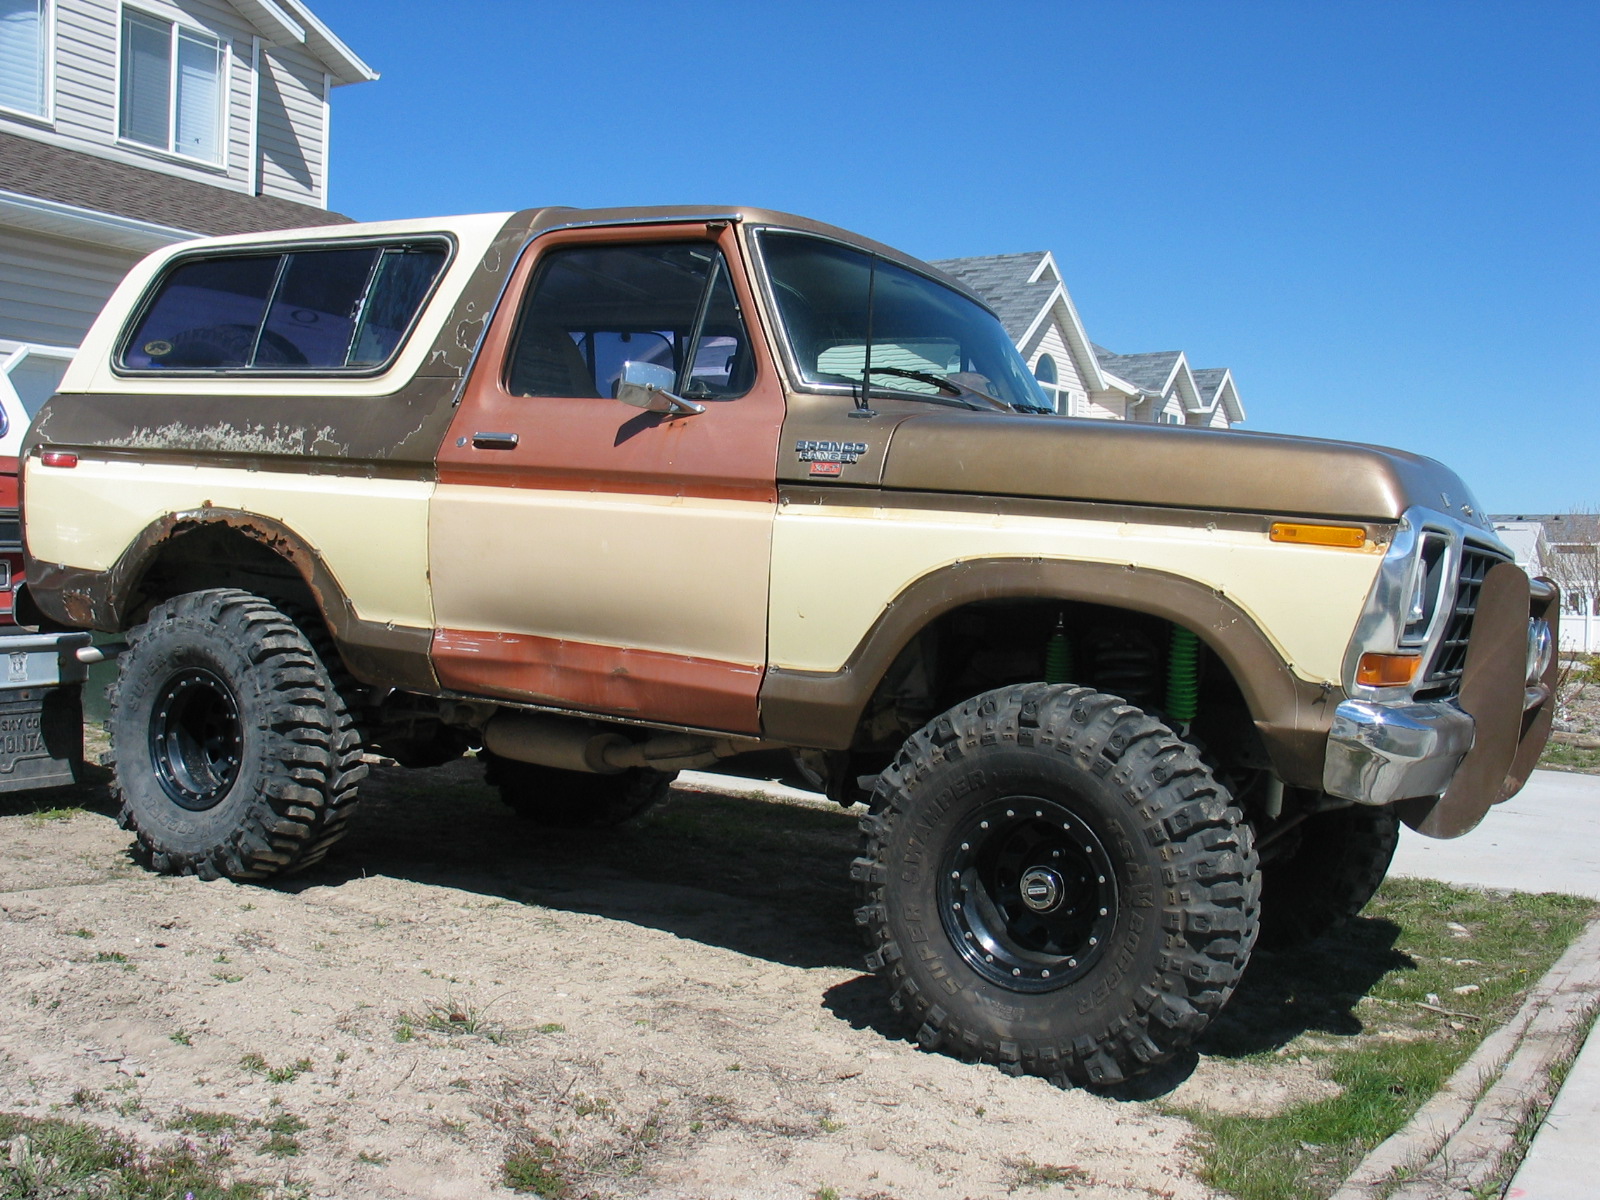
235 439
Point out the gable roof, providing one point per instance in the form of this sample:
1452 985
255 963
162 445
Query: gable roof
1009 283
291 22
1024 290
1208 380
102 185
1151 372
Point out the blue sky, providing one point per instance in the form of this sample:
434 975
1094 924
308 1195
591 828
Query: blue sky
1382 216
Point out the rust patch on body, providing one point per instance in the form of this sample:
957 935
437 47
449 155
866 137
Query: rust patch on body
645 685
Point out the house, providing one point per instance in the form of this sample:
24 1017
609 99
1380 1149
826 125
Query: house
1028 294
1564 547
1526 540
126 126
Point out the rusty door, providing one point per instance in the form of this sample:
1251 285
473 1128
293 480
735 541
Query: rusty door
594 556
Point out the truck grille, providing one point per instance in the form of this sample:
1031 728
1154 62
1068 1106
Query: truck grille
1450 658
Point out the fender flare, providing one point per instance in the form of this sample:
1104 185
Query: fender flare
823 708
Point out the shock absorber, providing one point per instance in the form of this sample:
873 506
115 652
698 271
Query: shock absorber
1058 654
1183 675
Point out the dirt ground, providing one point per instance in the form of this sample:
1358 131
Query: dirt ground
673 1009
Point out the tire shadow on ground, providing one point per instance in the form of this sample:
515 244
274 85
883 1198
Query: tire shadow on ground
759 877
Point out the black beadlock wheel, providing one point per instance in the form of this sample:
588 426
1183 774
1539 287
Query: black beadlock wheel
234 748
1053 882
560 799
1340 861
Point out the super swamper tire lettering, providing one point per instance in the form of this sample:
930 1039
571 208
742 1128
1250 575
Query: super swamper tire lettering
1053 882
234 750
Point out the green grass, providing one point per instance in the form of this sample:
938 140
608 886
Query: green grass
1569 758
453 1020
54 1158
195 1120
1361 1005
535 1167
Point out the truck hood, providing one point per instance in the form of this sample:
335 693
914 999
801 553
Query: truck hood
1169 466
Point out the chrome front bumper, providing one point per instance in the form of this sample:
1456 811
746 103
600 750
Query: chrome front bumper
1380 753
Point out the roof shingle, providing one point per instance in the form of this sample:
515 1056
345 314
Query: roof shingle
1002 281
1147 371
48 172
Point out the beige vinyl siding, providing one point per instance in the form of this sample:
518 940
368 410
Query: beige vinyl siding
1049 340
52 289
86 66
1105 406
291 129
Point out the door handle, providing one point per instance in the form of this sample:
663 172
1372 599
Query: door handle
495 441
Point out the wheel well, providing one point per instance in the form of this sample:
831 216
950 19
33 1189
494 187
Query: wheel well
995 643
212 556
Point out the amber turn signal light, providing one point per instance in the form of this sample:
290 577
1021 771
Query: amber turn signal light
1348 537
1387 670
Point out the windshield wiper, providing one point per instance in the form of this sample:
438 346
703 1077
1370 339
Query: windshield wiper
954 386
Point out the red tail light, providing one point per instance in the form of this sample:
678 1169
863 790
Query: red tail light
59 458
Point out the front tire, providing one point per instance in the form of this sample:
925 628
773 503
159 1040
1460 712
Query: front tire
1053 882
1341 859
234 750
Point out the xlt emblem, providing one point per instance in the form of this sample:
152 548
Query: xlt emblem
830 452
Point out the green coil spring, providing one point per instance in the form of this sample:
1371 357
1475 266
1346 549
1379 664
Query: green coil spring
1058 655
1183 675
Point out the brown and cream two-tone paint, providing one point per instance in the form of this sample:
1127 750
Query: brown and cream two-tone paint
701 571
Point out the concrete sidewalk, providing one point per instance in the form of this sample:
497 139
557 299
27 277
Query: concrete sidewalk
1545 839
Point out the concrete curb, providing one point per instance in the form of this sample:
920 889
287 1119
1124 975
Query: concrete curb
1460 1137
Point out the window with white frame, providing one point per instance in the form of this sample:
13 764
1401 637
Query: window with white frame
1045 372
171 87
22 55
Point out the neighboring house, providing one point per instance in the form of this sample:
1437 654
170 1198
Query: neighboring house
125 126
1564 547
1085 380
1526 540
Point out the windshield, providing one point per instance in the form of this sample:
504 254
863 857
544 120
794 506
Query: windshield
831 298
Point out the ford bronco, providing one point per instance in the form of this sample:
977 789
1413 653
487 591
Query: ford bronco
604 495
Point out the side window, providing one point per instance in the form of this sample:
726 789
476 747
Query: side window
591 309
313 310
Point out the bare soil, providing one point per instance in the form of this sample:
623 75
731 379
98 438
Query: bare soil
672 1009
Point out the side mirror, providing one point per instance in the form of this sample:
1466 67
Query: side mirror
648 386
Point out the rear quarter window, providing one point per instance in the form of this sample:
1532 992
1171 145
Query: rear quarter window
327 310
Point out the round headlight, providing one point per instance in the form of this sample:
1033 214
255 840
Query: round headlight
1541 648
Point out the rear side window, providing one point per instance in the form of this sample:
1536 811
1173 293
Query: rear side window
335 309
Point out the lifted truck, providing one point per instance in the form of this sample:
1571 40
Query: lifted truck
1118 698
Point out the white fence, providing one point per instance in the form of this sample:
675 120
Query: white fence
1580 632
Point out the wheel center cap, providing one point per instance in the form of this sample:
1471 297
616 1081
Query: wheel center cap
1042 889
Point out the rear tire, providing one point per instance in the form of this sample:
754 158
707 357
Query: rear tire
235 752
1052 882
1340 862
561 799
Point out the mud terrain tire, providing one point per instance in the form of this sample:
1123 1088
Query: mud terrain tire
234 750
1341 860
1052 882
561 799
